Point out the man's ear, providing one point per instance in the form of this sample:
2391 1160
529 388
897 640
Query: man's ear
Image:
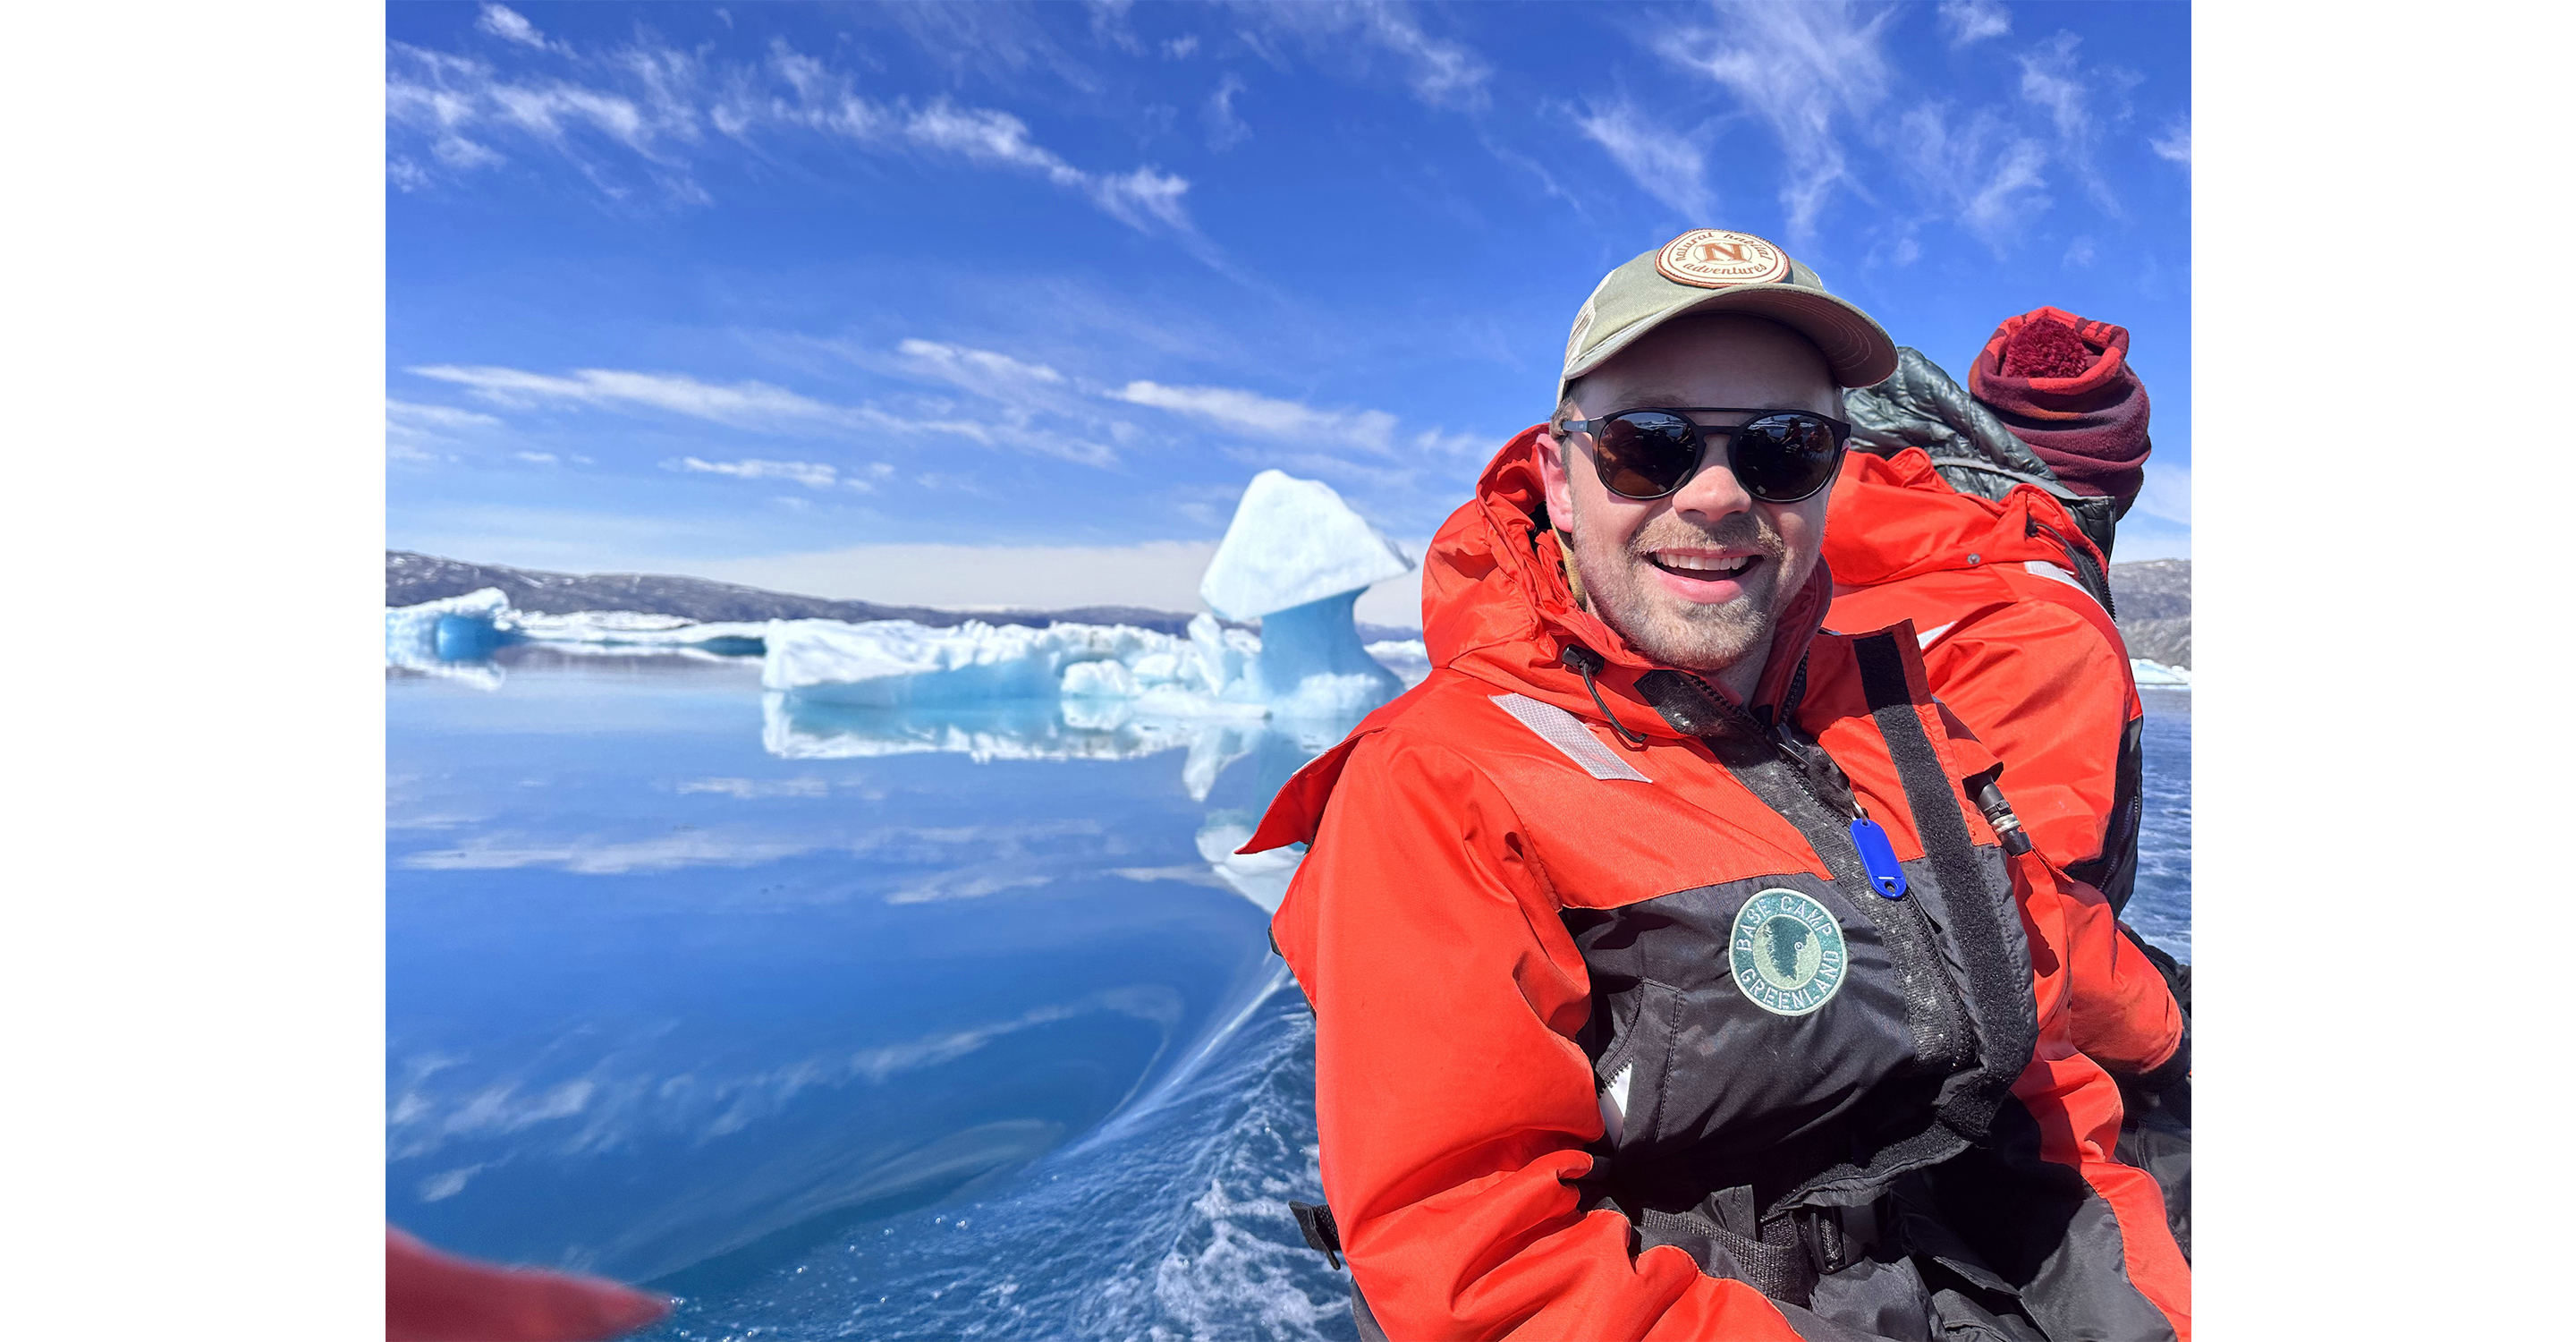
1552 465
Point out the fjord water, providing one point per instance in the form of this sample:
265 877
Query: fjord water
844 1023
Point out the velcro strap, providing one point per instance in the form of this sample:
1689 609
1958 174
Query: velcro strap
1315 1221
1782 1271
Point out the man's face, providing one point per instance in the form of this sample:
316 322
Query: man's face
1694 579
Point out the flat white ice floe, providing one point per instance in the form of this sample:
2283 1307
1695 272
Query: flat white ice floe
2157 675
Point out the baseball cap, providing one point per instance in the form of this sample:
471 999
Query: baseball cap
1718 270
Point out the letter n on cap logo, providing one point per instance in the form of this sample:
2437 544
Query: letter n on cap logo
1713 258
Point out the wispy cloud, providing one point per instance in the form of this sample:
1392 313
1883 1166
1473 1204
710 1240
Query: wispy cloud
811 474
2079 104
1973 21
509 25
757 406
1667 163
1269 417
2174 146
656 104
1801 69
1442 73
1225 127
741 404
412 413
1983 173
2166 493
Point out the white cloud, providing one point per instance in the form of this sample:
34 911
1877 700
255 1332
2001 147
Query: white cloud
654 102
2079 253
1251 412
1440 72
1972 21
982 371
399 413
2052 79
539 458
2166 493
811 474
2174 146
1225 128
1668 164
1983 173
1800 68
742 405
510 26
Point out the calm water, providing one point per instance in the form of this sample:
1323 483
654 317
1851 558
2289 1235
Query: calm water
867 1025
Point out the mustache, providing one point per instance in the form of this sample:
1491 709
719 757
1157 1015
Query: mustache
1734 531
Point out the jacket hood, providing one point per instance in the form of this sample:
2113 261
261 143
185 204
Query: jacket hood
1496 606
1894 517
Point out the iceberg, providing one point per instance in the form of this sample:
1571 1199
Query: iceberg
635 630
1406 657
452 629
1295 557
1294 542
900 664
2158 676
470 628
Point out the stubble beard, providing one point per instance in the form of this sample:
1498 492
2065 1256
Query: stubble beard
1622 589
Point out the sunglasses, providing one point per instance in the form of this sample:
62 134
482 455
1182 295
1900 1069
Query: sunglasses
1779 456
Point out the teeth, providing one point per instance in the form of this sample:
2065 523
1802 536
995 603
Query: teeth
1703 564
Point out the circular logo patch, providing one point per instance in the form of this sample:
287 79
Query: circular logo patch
1787 953
1713 258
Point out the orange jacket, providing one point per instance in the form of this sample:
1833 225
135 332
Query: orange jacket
1557 1092
2014 644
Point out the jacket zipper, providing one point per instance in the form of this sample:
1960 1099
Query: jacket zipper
1795 760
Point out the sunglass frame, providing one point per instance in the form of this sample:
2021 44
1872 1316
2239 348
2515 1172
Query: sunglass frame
1841 430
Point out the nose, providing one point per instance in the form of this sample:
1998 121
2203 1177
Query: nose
1713 491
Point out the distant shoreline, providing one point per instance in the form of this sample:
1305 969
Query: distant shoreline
412 578
2152 596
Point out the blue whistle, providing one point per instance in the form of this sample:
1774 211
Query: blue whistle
1879 856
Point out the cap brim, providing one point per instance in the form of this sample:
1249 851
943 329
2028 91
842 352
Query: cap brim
1856 350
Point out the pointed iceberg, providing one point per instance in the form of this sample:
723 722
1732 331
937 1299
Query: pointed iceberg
1297 558
1294 542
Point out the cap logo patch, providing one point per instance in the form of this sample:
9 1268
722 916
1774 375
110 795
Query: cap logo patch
1713 258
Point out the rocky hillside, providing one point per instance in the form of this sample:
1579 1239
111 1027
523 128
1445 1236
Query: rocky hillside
413 578
2154 600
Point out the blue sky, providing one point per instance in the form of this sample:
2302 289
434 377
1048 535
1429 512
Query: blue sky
989 304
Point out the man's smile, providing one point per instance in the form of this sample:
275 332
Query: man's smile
1703 574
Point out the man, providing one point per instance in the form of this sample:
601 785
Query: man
1668 982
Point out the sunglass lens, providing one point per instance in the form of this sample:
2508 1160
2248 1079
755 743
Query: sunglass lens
1783 458
1646 454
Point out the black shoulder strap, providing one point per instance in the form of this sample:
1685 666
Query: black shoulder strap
1998 982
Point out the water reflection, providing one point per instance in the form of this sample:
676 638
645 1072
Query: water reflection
685 980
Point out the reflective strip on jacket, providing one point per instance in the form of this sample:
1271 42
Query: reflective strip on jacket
1516 933
2014 644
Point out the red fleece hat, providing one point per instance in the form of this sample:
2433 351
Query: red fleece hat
2063 384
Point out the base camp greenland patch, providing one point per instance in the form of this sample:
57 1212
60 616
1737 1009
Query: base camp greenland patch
1787 952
